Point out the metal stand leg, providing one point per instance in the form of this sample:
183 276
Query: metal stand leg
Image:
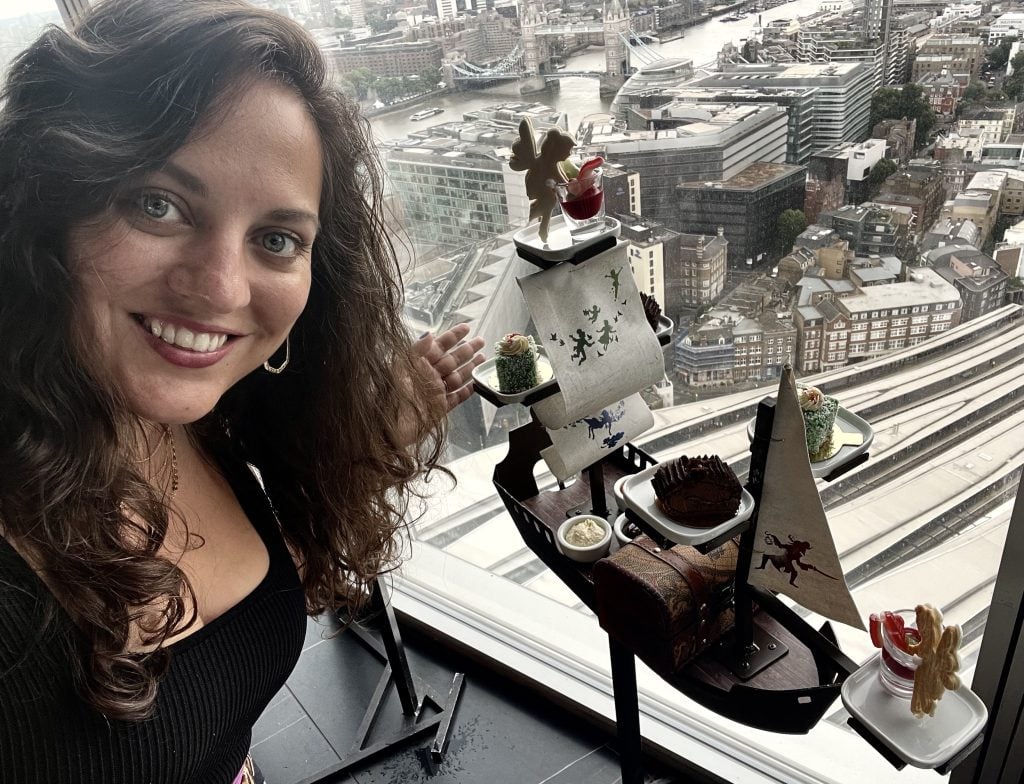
598 501
752 649
434 711
627 712
395 652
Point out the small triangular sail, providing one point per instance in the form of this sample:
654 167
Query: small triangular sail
794 552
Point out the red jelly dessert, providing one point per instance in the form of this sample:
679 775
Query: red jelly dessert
910 636
584 206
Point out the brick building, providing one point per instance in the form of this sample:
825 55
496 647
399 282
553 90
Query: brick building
924 192
977 276
398 59
838 323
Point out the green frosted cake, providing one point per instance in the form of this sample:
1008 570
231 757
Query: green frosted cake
819 412
516 363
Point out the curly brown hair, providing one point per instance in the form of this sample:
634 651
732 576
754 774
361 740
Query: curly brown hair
83 113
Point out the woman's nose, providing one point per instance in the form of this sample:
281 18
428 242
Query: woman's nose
215 272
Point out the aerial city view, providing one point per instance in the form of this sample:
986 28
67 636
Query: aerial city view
833 184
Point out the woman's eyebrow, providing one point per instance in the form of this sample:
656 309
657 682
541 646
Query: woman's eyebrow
186 178
289 215
197 186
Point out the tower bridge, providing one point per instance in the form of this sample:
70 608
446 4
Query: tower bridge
533 55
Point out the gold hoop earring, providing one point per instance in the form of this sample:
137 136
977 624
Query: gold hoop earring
287 357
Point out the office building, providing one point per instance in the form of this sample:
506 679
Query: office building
747 206
390 59
839 175
922 191
706 142
841 99
454 181
72 10
871 230
990 124
621 190
1008 25
976 275
956 54
798 102
652 249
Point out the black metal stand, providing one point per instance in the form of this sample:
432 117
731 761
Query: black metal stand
598 501
440 710
627 712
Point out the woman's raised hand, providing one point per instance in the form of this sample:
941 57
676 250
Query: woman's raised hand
447 361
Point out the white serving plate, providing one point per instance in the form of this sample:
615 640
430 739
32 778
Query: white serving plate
926 742
561 245
486 374
620 500
638 495
665 326
846 422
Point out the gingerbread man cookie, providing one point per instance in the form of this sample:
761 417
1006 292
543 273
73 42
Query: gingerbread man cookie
939 661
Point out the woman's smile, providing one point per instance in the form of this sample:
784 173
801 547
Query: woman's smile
186 346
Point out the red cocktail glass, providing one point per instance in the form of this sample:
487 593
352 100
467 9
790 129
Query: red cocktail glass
582 201
897 665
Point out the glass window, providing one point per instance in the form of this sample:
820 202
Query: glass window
469 574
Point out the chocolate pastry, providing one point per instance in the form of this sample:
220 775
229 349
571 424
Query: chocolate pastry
652 310
698 491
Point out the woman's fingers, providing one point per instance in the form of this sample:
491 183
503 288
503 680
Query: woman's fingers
450 360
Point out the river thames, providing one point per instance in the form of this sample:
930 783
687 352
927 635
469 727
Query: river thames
579 97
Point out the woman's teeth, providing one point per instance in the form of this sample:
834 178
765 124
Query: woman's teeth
202 342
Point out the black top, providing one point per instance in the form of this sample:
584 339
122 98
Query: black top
220 679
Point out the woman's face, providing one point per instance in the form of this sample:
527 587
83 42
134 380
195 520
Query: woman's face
196 277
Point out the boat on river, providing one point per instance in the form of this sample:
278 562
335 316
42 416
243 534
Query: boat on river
423 114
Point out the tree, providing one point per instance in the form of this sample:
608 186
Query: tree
791 225
998 55
429 78
1013 85
885 105
910 103
975 93
389 89
378 22
361 79
879 173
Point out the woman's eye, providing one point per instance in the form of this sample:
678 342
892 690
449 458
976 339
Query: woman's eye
157 207
280 244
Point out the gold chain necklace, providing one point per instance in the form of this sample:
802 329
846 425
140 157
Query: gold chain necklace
168 436
174 460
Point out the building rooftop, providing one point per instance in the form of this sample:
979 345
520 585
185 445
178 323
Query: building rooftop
800 75
927 288
845 149
699 124
988 181
755 176
984 113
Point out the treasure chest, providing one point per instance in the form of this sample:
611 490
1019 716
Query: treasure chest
666 604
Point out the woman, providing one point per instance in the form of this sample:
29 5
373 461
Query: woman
195 279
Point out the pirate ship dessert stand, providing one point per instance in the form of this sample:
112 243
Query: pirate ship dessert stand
773 671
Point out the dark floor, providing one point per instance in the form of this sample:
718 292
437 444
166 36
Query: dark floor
502 733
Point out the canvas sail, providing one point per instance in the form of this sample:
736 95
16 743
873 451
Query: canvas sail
794 552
